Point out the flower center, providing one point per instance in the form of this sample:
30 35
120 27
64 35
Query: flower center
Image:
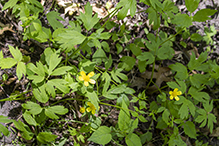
174 94
87 78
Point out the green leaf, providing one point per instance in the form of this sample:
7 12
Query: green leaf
54 61
126 4
4 119
192 5
46 137
199 96
133 140
105 46
33 108
198 79
58 109
4 130
61 84
211 120
29 119
196 37
197 64
101 136
109 62
119 48
181 70
25 130
135 49
182 20
61 70
153 17
21 70
1 55
99 56
146 56
40 94
70 38
87 18
203 15
146 137
118 73
127 62
93 98
7 63
51 17
9 4
15 53
165 116
124 114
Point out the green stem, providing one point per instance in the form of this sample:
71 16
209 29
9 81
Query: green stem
116 10
152 74
14 97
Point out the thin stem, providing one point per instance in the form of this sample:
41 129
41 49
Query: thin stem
152 74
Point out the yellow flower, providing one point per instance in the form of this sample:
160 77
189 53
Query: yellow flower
91 108
86 78
174 94
82 110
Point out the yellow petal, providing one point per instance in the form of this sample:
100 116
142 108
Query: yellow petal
83 74
92 81
88 109
91 74
179 93
171 92
177 98
175 90
81 78
93 112
86 83
82 110
171 97
89 104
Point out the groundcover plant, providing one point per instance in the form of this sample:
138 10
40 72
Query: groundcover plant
82 78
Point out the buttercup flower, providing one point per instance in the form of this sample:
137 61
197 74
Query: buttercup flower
86 78
82 110
174 94
91 108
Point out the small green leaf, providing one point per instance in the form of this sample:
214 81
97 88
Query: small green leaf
126 4
135 49
51 17
33 108
46 137
192 5
9 4
124 114
15 53
7 63
101 136
165 116
58 109
199 96
61 70
40 94
196 37
153 17
4 130
21 70
146 56
182 20
93 98
99 56
196 64
128 62
119 48
181 70
203 15
29 119
133 140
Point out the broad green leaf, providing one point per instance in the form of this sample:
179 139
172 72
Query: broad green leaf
124 114
101 136
126 5
33 108
15 53
9 4
25 130
117 73
146 56
70 38
61 70
54 61
175 139
153 17
4 130
117 89
133 140
119 48
165 116
29 119
199 96
40 94
99 56
165 52
192 5
7 63
1 55
203 15
208 107
109 62
93 98
52 17
182 20
181 70
46 137
211 120
87 18
4 119
135 49
196 37
21 70
61 84
197 64
35 78
146 137
198 79
58 109
105 46
128 62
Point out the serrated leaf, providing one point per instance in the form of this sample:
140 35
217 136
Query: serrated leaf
87 18
146 56
192 5
29 119
203 15
54 60
199 96
195 64
128 62
21 70
58 109
181 70
33 108
182 20
211 120
189 129
153 17
198 79
15 53
61 84
46 137
101 136
52 17
9 4
126 4
133 140
7 63
61 70
40 94
35 78
70 38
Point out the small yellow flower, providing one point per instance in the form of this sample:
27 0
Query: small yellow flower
86 78
91 108
82 110
174 94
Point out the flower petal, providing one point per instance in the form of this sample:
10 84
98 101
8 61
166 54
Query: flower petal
89 104
92 81
171 92
93 112
91 74
171 97
82 110
175 90
83 74
177 98
86 83
88 109
81 78
179 93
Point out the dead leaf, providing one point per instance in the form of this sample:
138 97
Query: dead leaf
215 133
7 27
